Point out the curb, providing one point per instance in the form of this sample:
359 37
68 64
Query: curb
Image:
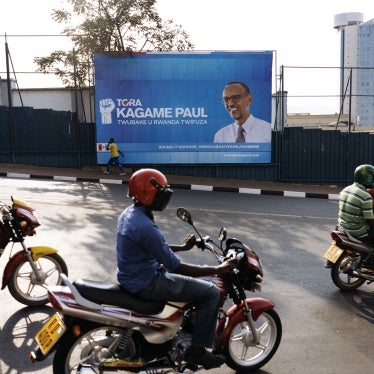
193 187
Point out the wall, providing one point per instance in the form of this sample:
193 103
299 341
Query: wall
60 99
45 137
316 120
309 155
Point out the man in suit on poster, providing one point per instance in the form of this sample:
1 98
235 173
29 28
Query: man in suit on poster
237 99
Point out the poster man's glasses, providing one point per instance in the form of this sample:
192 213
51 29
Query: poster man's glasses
233 98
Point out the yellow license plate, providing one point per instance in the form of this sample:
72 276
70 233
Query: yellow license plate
50 333
333 253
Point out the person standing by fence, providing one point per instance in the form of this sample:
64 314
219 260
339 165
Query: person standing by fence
114 157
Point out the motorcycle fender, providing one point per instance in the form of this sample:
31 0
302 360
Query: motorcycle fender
14 261
41 251
19 258
236 314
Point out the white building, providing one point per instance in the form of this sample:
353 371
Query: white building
62 99
357 63
365 79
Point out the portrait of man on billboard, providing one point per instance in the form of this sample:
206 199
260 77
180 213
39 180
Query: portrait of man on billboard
166 108
246 128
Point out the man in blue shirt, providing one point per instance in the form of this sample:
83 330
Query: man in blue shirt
148 266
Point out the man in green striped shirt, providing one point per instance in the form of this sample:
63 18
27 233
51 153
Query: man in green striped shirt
356 205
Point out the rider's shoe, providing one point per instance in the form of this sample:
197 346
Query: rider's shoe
108 363
328 264
204 358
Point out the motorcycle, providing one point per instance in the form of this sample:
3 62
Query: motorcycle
100 327
350 260
31 269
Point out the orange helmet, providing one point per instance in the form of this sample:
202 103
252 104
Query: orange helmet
150 188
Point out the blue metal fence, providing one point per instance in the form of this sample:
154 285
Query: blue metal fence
54 138
45 137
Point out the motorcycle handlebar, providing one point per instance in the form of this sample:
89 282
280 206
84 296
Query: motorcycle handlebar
204 243
209 246
207 243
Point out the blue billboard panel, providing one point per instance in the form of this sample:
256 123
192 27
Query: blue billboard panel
178 108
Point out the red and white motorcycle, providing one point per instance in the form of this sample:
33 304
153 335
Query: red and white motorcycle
31 269
99 327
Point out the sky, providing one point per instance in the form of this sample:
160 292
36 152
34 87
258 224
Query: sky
300 32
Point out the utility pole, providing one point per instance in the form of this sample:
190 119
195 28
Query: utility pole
10 104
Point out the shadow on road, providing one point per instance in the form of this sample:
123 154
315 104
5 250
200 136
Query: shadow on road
363 302
17 335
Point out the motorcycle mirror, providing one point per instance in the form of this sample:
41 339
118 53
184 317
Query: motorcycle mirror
184 215
222 234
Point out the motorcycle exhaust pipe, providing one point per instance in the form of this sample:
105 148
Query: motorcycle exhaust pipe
36 356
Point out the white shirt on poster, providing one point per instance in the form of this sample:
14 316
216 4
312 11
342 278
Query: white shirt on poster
255 131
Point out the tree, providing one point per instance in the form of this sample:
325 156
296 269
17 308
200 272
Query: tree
109 26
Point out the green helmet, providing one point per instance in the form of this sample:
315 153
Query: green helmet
364 175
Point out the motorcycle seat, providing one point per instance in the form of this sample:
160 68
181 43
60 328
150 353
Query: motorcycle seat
353 242
352 238
109 293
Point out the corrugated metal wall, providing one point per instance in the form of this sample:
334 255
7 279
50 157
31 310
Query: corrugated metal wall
323 156
45 137
52 138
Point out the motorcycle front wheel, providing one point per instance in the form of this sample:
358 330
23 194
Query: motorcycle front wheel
243 354
94 344
343 275
31 290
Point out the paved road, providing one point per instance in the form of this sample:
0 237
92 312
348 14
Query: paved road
325 331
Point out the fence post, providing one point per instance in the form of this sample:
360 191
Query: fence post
10 104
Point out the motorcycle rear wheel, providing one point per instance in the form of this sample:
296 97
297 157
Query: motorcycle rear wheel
89 348
342 274
27 289
242 354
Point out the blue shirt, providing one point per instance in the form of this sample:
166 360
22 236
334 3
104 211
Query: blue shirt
141 249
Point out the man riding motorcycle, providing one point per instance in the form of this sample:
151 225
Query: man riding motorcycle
356 214
148 266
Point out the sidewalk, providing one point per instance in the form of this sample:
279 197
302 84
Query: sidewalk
96 174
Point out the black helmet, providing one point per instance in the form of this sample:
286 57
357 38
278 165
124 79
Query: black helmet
364 175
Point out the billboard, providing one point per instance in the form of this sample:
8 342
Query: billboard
168 107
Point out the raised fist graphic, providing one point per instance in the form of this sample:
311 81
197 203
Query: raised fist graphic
106 108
